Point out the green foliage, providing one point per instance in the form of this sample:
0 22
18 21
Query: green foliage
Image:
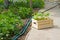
41 16
26 3
37 3
20 3
1 2
10 19
8 25
25 12
1 8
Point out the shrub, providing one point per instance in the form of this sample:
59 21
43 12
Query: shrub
37 3
1 2
21 4
25 12
1 8
26 3
9 23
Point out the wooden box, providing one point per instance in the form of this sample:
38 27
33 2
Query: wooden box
41 24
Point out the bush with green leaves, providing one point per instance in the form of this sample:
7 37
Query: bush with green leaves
37 3
21 4
25 12
1 2
9 24
26 3
41 16
1 8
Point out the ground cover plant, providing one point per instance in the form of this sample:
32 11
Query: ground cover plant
26 3
1 2
10 25
23 12
37 3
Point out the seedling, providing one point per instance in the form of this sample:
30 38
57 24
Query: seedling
41 16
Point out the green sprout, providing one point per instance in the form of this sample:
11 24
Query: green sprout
41 16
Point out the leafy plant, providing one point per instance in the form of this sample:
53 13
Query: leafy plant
25 12
26 3
41 16
9 24
1 2
36 3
